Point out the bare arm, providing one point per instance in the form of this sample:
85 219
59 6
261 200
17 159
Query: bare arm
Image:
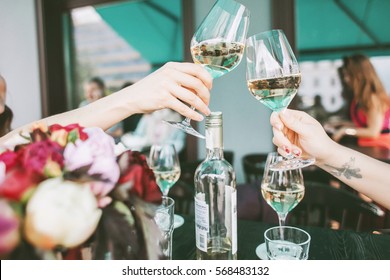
171 86
298 132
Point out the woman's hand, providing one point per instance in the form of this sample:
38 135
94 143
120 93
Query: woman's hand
174 86
297 133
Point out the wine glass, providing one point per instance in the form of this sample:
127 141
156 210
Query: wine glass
273 78
218 44
164 161
282 190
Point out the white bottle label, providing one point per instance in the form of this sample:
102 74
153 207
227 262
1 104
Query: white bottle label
201 223
231 212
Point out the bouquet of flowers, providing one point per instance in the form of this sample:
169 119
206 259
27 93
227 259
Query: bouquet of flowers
64 190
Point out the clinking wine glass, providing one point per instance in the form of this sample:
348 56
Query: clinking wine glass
273 78
164 161
282 190
218 44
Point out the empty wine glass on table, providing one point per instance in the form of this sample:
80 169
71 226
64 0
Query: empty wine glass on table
273 78
218 44
164 161
282 190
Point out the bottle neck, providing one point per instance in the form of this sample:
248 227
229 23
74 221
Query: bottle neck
214 142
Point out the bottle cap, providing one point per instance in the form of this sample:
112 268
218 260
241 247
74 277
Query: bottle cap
214 119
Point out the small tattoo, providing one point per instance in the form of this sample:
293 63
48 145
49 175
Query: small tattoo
347 170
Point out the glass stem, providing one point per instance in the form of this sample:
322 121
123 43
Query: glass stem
282 222
187 120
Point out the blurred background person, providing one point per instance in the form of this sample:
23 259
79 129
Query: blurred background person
152 130
95 89
369 107
6 114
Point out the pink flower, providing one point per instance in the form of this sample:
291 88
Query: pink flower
97 154
9 228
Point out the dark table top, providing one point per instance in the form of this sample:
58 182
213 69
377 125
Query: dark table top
326 244
380 153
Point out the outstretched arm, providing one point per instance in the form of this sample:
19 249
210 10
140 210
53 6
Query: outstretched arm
175 85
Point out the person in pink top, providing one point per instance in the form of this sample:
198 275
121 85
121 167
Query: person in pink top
370 107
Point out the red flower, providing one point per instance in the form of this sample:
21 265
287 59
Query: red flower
17 182
70 128
39 155
10 159
134 169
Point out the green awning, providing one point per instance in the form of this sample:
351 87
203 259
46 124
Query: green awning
328 29
152 27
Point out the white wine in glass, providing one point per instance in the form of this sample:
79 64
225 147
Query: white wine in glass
273 78
164 162
282 190
218 44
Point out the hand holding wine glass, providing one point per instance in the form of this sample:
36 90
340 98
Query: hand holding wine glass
218 44
273 78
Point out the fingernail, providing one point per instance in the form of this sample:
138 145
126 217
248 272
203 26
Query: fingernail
201 118
279 126
297 152
286 149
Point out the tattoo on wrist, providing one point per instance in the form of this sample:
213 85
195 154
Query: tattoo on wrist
347 170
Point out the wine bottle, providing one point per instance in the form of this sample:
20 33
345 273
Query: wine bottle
215 199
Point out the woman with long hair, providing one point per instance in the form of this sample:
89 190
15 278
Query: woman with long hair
370 106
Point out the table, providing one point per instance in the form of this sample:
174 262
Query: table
326 244
380 153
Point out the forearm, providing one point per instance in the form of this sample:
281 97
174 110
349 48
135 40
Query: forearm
365 174
102 113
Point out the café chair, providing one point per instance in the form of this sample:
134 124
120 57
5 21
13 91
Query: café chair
253 165
326 206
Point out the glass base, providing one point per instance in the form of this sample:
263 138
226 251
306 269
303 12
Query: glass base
291 163
186 128
261 252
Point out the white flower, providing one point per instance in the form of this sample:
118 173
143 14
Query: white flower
61 213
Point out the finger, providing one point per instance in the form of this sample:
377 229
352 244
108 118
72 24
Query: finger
184 110
192 83
195 70
295 120
275 121
281 140
189 97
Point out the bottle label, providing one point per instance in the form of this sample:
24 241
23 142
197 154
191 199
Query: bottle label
231 212
201 224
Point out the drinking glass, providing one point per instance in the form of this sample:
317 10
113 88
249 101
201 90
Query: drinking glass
281 189
293 245
164 161
218 44
164 218
273 78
